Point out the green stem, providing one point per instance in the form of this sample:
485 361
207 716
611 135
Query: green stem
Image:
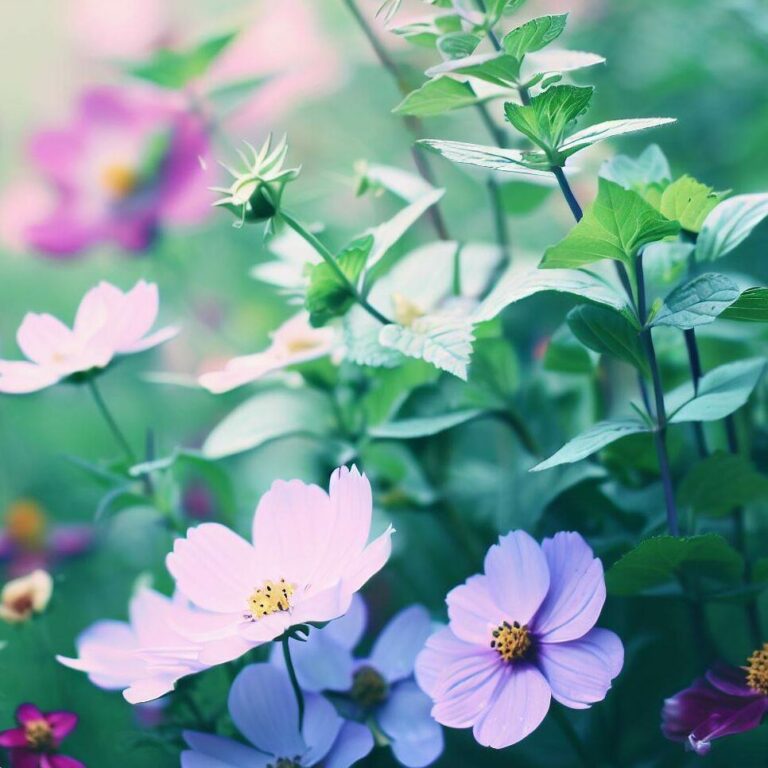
330 260
694 362
294 680
570 734
111 423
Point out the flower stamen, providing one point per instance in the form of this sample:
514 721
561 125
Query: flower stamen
757 670
39 735
272 597
511 641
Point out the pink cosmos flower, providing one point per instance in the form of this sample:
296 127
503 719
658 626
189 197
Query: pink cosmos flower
521 633
144 657
108 323
35 743
294 342
127 165
308 558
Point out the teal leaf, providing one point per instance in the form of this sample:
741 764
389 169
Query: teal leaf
495 158
594 439
750 307
651 167
497 8
689 202
663 559
534 35
566 355
594 134
607 332
729 224
442 94
698 302
721 392
541 64
422 426
457 45
496 68
615 226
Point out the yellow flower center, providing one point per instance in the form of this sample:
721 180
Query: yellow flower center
25 522
757 670
119 180
405 310
511 641
39 735
297 345
272 597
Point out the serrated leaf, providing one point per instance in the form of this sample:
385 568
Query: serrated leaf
688 202
495 158
609 333
698 302
457 45
721 483
361 341
174 69
424 426
750 307
594 439
650 167
442 339
267 416
442 94
594 134
615 226
721 392
662 559
534 35
545 120
729 224
496 68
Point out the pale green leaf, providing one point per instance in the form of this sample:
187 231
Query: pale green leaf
424 426
594 134
457 45
698 302
729 224
534 35
497 68
437 96
495 158
650 167
688 202
751 307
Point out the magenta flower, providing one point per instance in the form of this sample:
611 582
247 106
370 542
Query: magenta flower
264 709
127 165
35 743
308 558
519 634
726 701
109 323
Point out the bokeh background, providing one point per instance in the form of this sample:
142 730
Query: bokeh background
702 61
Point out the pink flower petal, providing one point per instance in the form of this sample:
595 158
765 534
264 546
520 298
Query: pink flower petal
472 611
42 337
26 713
13 737
19 378
62 723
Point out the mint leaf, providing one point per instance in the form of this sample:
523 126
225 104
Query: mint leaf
698 302
422 426
649 167
689 202
534 35
457 45
729 224
495 158
607 130
750 307
437 96
496 68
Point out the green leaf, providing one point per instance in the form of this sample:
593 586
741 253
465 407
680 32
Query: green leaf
721 392
546 119
615 226
606 331
497 8
594 134
650 167
542 64
689 202
698 302
496 68
174 69
750 307
444 340
594 439
267 416
494 374
426 426
729 224
495 158
457 45
437 96
662 559
566 355
327 295
534 35
721 483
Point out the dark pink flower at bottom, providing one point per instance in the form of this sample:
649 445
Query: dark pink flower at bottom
728 700
35 743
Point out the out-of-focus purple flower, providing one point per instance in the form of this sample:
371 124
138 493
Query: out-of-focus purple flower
264 709
519 634
727 700
28 541
35 743
379 689
126 166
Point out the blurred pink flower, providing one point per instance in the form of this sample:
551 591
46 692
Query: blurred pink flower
35 743
108 323
126 165
308 558
295 341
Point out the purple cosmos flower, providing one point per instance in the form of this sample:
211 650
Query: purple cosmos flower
264 709
35 743
727 700
379 689
519 634
125 166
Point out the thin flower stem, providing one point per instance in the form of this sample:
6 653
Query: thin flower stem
565 188
571 735
294 680
111 423
330 260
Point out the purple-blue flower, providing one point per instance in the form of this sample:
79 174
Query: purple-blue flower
379 689
726 701
521 633
263 706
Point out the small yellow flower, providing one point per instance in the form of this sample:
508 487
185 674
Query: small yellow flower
25 596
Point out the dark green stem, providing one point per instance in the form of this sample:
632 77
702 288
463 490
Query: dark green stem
294 680
565 188
330 260
694 361
111 423
570 734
